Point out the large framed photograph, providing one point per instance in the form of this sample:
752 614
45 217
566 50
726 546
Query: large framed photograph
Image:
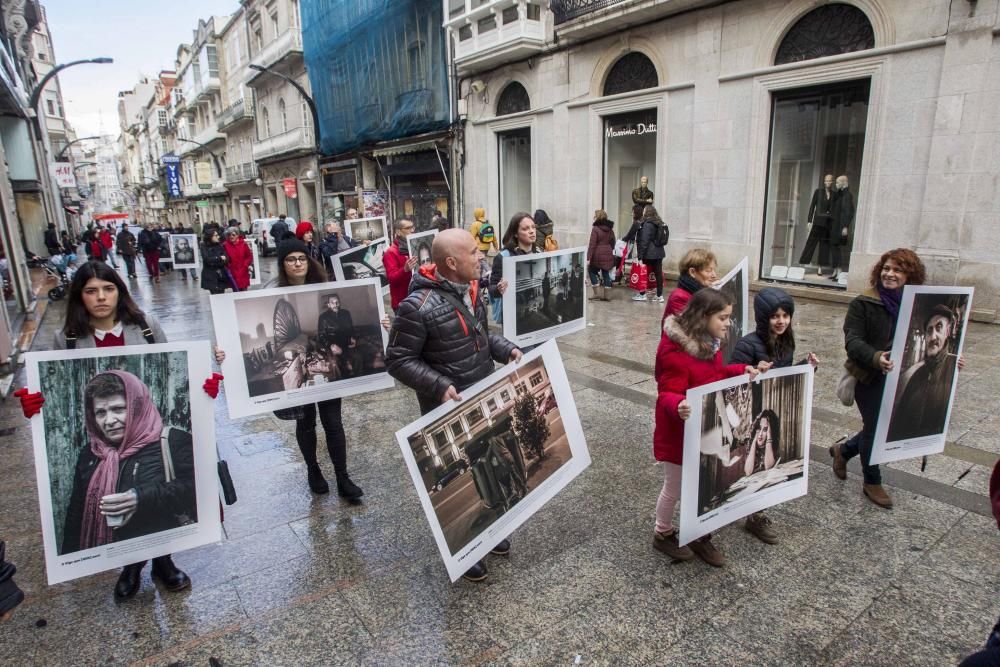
184 250
419 245
362 261
367 229
289 346
548 297
255 277
746 448
166 249
125 455
484 465
921 386
736 285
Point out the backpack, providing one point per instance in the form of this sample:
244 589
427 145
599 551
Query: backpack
662 234
486 233
551 243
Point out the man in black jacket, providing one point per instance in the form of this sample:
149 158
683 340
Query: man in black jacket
439 344
125 243
149 243
52 240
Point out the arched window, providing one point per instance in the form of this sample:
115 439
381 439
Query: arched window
633 71
282 115
826 31
306 116
265 118
513 98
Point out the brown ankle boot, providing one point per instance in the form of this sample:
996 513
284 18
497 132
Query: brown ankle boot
877 495
667 543
705 550
839 463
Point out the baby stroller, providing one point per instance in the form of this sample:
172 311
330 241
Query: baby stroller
57 267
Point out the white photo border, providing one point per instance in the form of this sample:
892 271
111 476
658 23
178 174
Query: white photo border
338 269
418 235
743 268
349 230
193 242
510 299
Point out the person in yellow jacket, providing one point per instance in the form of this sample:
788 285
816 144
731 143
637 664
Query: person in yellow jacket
484 232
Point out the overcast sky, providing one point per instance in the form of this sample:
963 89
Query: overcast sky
141 35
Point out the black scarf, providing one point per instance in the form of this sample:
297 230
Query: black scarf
689 284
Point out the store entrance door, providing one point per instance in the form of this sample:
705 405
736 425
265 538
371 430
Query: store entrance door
515 173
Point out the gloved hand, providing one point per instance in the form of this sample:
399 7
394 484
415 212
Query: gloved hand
211 385
31 404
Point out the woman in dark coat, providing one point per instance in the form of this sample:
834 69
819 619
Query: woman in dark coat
649 251
214 261
600 254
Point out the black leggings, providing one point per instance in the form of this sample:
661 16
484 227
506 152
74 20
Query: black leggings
336 441
656 269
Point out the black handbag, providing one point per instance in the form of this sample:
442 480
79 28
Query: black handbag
226 480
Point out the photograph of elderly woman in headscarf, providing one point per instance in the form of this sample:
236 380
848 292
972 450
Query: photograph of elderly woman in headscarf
929 366
132 476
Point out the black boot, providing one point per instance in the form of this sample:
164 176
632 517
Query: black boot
168 574
128 581
476 573
316 480
347 489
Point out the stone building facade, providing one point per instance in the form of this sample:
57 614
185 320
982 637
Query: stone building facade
735 111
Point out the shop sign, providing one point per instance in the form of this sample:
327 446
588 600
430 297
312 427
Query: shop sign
630 130
202 204
63 173
173 177
290 190
203 174
255 200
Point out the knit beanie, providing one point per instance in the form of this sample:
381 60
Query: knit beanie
288 246
302 228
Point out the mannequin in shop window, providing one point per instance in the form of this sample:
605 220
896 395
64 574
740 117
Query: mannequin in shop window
819 225
642 196
842 214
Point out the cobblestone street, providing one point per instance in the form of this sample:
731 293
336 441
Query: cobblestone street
308 580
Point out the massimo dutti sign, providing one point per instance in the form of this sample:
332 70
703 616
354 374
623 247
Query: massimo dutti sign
629 130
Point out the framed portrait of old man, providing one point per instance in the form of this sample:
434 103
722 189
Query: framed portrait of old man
184 250
289 346
124 455
930 334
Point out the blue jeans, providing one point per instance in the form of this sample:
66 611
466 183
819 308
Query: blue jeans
605 274
869 400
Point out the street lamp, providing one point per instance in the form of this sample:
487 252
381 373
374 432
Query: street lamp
37 92
305 96
65 148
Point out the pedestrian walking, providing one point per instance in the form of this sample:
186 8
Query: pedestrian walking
696 270
439 344
484 232
214 264
240 258
52 240
651 241
295 267
869 328
127 248
545 239
279 230
770 345
398 263
108 241
689 355
305 232
149 244
601 255
519 239
100 312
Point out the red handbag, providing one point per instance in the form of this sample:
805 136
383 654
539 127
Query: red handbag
638 277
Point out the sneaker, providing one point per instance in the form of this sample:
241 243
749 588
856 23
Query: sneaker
476 573
667 544
705 550
759 526
660 299
839 463
501 549
639 297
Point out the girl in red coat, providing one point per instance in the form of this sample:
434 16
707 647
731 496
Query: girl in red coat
240 258
688 356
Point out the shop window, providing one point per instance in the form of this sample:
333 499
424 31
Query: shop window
826 31
629 156
815 132
633 71
514 155
513 99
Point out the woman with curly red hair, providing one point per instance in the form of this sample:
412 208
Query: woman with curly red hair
869 328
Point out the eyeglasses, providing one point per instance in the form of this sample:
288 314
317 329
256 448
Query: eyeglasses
301 259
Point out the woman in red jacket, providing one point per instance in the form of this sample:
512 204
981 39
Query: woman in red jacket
689 355
697 269
240 258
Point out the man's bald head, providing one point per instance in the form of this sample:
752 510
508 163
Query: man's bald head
456 254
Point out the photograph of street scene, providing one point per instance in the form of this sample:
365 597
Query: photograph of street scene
549 295
492 451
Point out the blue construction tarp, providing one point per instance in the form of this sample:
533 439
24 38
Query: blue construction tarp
378 69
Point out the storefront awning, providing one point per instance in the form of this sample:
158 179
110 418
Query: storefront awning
112 216
71 210
429 144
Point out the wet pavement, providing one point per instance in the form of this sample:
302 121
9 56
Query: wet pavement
310 580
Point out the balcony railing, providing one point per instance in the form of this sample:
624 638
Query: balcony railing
298 139
233 114
241 173
567 10
285 44
495 32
